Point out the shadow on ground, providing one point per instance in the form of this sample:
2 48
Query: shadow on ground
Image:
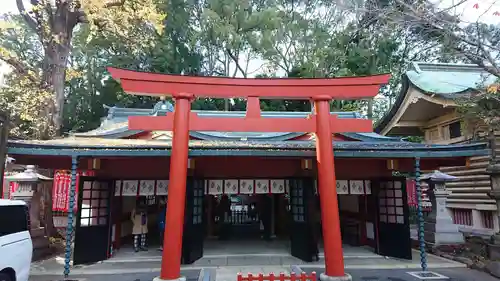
454 274
190 274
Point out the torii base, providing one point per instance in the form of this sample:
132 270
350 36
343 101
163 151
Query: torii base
324 277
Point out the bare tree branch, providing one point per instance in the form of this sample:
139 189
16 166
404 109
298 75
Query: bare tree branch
29 20
235 59
19 67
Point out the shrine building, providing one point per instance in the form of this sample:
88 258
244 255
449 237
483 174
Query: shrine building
281 173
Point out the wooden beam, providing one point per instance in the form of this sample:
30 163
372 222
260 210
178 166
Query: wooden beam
249 124
154 84
418 124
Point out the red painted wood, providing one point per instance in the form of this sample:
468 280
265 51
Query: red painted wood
150 84
174 223
282 277
253 107
334 259
221 124
154 167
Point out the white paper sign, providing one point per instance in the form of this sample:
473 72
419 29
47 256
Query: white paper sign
368 187
162 187
247 186
261 186
231 187
130 188
147 188
277 186
215 187
342 187
118 188
356 187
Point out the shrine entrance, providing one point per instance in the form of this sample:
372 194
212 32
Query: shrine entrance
93 224
184 89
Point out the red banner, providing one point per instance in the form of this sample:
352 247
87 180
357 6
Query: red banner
12 187
411 192
61 189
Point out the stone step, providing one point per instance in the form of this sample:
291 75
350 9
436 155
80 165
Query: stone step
466 172
474 189
483 183
40 242
475 177
470 201
468 195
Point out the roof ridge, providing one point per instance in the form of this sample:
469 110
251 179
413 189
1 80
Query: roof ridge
448 67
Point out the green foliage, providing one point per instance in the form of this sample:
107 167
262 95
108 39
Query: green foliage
57 51
481 110
299 39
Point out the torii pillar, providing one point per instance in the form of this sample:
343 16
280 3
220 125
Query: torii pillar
332 239
322 123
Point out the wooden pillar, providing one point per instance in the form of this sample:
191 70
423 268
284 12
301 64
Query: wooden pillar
209 215
334 259
172 242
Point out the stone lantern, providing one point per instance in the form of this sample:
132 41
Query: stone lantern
439 228
29 190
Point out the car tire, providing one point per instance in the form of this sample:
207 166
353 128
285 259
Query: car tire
5 277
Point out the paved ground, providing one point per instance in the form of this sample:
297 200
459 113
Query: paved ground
146 262
224 274
191 275
454 274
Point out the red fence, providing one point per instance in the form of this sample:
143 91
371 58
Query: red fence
281 277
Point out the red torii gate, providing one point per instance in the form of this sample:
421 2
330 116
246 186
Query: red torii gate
184 89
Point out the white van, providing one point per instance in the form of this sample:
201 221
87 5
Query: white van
16 248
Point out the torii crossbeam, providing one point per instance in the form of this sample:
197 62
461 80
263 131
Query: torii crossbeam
185 88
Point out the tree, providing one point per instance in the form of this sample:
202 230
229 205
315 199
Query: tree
54 23
444 23
481 111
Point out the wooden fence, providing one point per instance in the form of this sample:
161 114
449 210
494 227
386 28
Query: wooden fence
281 277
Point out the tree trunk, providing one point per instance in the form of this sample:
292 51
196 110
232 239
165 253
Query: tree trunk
370 109
54 78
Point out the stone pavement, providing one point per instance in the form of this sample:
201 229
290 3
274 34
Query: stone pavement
452 274
226 274
359 259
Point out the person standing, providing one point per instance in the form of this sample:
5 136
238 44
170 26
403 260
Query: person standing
161 222
139 219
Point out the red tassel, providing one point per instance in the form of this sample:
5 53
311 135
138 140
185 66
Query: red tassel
476 6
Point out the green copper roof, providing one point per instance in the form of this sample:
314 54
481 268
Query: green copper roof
443 79
115 125
448 79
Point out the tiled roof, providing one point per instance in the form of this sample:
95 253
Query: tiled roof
115 125
100 143
448 79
